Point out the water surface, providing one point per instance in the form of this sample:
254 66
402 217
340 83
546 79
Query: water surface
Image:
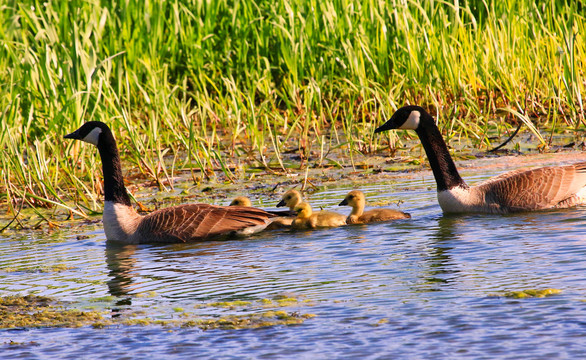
412 289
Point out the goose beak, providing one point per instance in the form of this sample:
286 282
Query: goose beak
73 135
344 202
389 125
281 203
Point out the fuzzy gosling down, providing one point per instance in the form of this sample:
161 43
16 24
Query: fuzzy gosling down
307 219
357 201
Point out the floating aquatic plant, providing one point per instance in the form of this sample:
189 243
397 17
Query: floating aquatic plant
37 311
530 293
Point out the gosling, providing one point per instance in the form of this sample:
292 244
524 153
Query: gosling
307 219
356 200
241 201
291 199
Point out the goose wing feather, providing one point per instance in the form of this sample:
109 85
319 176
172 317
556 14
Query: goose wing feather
534 189
195 222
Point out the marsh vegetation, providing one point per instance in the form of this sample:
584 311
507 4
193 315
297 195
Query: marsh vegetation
221 91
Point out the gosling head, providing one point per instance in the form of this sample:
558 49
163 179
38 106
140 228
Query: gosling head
89 132
354 199
241 201
291 198
406 118
303 210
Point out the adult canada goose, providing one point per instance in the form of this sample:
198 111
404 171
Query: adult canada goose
514 191
241 201
356 200
307 219
183 223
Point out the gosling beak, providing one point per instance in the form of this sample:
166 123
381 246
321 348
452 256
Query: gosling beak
281 203
344 202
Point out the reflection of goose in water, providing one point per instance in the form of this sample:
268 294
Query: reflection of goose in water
194 271
441 269
121 262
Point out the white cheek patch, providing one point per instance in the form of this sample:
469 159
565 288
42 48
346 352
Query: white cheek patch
93 136
412 122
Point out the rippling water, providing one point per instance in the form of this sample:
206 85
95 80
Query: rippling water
412 289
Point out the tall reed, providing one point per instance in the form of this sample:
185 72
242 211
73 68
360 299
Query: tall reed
215 86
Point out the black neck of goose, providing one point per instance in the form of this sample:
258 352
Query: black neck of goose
114 189
443 167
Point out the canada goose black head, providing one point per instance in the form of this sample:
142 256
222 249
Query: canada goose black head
406 118
90 132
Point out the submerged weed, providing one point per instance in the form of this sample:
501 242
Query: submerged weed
530 293
37 311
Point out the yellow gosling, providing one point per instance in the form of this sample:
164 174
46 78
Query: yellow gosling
307 219
356 200
241 201
291 199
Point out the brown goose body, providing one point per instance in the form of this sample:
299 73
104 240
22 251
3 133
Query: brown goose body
282 221
183 223
515 191
357 201
307 219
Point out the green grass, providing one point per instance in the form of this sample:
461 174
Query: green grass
217 87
